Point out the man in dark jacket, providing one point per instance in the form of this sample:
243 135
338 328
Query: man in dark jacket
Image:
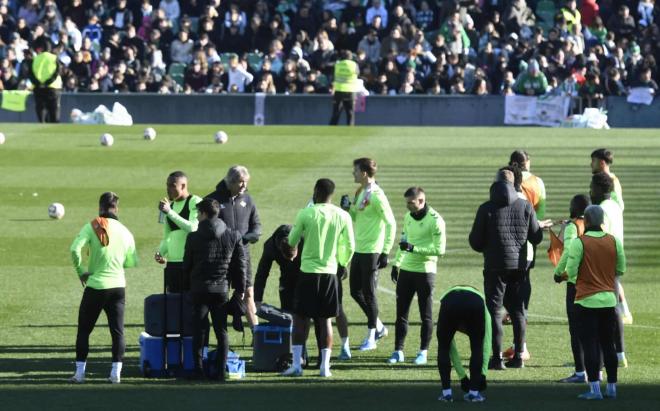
277 249
239 213
209 253
501 229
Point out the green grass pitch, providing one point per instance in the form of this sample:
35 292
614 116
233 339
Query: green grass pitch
39 293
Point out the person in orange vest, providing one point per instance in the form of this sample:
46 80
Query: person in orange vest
45 77
572 229
596 260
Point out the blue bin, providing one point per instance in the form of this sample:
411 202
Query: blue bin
151 356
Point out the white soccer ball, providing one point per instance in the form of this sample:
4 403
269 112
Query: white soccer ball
221 137
56 211
149 133
2 138
107 139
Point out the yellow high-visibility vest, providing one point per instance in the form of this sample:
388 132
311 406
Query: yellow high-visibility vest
346 75
44 66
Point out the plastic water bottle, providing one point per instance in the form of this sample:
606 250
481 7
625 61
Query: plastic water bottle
161 217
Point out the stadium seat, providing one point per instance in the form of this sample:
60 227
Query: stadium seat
546 10
255 60
177 72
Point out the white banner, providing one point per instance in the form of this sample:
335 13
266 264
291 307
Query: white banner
640 95
547 111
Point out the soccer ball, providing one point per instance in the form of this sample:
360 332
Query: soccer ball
2 138
107 139
221 137
149 133
56 211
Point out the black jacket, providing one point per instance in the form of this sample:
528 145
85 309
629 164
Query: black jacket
502 227
207 256
239 213
289 270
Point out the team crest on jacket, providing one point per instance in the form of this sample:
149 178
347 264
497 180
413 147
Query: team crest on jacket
242 203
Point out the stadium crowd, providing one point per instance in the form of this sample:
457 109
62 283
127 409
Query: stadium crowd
478 47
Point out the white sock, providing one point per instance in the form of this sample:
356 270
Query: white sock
611 388
425 352
472 392
595 387
379 324
344 344
116 368
297 356
205 352
446 392
325 359
524 347
579 373
621 356
371 336
80 368
624 306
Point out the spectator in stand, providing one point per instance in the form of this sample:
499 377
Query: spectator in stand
645 10
182 47
589 10
424 17
237 76
571 14
622 23
93 31
171 9
121 15
613 84
377 9
195 76
645 80
531 82
592 91
519 17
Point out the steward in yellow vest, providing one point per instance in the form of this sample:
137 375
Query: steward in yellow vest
345 86
45 77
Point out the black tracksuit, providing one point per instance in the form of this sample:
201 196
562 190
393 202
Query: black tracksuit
289 270
238 213
208 254
501 229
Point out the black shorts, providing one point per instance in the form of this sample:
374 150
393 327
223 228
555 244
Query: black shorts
317 296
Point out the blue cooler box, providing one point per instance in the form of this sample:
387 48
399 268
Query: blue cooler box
271 342
151 356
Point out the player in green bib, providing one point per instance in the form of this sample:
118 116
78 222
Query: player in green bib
179 210
111 249
375 230
422 241
463 309
601 189
601 160
329 244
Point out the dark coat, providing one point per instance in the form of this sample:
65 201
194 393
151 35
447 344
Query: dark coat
502 227
239 213
289 270
207 256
